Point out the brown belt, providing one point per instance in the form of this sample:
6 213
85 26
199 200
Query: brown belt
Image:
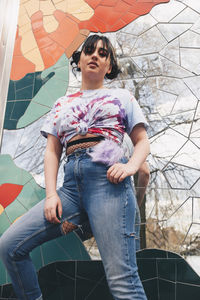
83 143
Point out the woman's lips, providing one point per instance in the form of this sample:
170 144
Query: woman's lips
93 64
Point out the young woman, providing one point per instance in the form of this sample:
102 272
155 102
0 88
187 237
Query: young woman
90 125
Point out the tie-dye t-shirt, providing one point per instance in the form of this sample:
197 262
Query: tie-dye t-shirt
106 112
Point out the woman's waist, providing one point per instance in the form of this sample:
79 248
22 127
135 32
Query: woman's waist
82 142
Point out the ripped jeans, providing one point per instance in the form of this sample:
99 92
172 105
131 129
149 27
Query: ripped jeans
86 194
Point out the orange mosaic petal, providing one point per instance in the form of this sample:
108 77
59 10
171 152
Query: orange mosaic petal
66 31
106 19
20 65
141 9
8 193
93 3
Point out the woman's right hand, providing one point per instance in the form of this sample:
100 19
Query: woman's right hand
53 209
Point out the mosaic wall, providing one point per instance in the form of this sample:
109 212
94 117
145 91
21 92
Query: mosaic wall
158 47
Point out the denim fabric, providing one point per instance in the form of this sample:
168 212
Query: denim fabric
137 227
86 194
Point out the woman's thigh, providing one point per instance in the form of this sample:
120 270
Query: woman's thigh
32 229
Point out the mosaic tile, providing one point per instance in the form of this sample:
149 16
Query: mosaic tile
79 9
140 25
196 26
23 20
167 290
173 70
186 16
185 102
150 65
171 51
31 7
14 211
50 23
113 23
172 31
47 7
190 39
28 197
166 12
5 223
151 44
190 60
192 160
193 83
193 4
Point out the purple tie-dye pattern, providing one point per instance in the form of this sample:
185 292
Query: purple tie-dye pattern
107 152
98 112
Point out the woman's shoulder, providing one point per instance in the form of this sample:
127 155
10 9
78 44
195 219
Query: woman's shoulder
123 94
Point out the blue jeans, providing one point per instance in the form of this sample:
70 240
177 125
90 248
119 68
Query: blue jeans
137 227
86 194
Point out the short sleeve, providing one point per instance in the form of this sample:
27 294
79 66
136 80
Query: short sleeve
49 124
134 113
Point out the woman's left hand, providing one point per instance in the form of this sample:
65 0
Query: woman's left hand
118 172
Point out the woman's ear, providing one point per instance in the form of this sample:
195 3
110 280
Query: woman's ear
109 70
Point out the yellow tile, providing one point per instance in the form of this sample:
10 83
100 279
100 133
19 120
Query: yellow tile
35 57
23 29
1 209
50 23
23 20
23 1
56 1
47 7
32 6
28 42
62 6
79 9
22 10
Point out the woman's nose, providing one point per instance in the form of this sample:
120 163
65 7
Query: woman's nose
95 54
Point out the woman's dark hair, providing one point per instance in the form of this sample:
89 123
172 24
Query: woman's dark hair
91 43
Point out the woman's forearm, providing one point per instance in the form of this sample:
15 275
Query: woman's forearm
140 153
51 164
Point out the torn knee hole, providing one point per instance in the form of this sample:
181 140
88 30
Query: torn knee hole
68 227
131 234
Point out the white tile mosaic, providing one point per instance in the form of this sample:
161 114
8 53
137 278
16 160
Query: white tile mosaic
167 11
190 60
190 39
171 31
193 84
187 15
148 42
194 4
171 51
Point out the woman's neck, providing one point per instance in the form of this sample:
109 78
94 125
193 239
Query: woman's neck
91 84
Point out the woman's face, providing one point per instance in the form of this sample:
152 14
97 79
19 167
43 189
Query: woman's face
95 62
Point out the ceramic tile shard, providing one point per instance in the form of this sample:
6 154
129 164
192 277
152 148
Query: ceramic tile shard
188 15
140 25
190 60
190 39
167 11
150 65
196 26
171 51
172 31
193 84
171 69
147 43
193 4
